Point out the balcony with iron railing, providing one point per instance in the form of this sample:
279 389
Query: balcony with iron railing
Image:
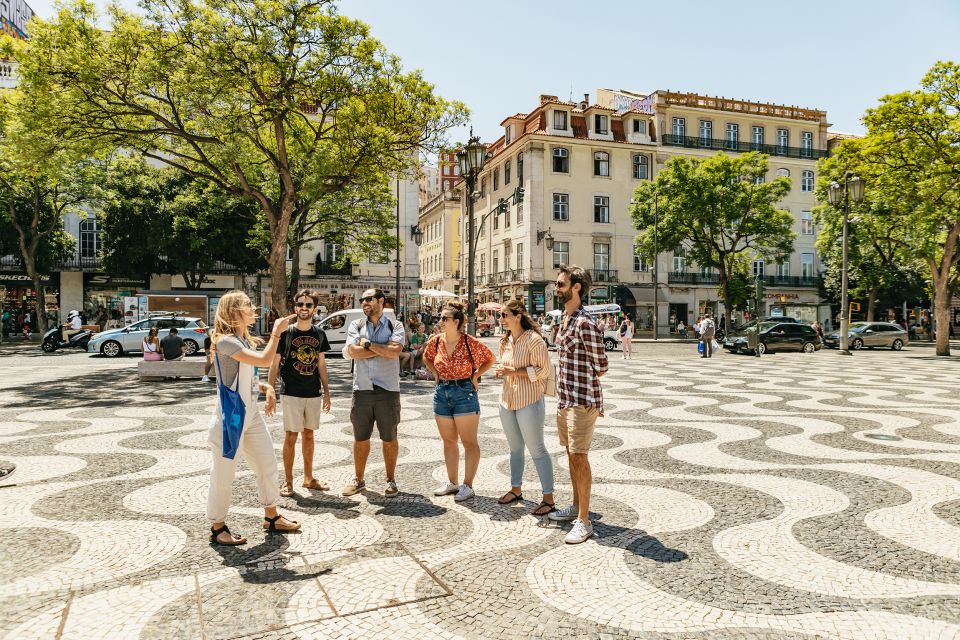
327 269
604 275
738 146
684 277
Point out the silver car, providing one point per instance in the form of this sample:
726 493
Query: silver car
870 335
129 339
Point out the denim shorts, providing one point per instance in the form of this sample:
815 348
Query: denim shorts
456 399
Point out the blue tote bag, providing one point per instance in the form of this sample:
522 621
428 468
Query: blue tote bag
233 411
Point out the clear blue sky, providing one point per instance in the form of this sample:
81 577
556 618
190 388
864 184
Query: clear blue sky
498 56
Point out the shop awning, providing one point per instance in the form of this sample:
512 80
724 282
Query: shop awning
643 295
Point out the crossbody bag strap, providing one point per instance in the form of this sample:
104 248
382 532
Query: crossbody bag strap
216 358
470 353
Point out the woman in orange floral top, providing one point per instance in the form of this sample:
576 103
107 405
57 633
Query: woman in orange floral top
457 361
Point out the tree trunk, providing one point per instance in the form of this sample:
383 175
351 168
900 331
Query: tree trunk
294 271
725 289
871 302
941 303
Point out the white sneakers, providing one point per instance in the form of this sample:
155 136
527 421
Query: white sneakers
446 489
580 532
465 493
205 379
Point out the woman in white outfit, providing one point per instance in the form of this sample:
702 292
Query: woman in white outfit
236 355
626 332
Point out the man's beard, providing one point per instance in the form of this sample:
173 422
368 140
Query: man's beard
565 296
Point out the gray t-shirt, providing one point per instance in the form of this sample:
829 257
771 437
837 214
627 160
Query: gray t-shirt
171 346
229 367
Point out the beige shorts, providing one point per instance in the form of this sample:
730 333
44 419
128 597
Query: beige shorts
300 413
575 427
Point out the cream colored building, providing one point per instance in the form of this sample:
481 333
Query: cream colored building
440 248
579 163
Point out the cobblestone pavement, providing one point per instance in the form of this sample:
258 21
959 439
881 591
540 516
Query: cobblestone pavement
788 496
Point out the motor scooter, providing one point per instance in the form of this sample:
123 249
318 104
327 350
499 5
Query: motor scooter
53 339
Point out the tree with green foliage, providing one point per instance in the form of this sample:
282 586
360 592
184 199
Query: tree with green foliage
910 160
43 177
160 220
721 210
280 102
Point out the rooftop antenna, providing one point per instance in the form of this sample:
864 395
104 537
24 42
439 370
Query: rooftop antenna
570 97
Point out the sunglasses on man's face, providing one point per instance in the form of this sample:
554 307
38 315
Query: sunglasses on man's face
560 284
368 299
305 305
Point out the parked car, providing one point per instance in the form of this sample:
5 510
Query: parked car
337 323
776 336
129 339
870 335
611 337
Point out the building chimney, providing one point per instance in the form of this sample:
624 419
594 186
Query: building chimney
547 98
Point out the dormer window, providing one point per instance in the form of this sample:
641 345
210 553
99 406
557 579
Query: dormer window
600 124
507 136
639 126
560 120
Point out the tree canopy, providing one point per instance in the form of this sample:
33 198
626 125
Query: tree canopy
721 210
280 102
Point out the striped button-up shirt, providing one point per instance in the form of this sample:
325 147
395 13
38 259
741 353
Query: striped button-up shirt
529 352
583 360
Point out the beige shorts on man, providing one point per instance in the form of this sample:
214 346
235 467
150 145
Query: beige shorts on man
301 413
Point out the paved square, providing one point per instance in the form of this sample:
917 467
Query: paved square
793 495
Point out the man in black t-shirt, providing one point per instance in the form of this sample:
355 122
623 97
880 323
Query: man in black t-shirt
303 369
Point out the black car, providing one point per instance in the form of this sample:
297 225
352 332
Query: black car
777 336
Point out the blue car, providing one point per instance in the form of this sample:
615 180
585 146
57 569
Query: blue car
115 342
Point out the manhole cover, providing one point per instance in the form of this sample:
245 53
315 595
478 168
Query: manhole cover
882 436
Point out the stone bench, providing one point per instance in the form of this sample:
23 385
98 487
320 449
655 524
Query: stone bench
160 369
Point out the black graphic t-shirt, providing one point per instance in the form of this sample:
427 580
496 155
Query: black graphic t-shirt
299 353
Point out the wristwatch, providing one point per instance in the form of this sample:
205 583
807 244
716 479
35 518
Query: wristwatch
366 345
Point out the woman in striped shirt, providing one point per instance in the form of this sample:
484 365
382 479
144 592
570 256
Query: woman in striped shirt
524 367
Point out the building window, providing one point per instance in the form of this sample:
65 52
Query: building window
757 138
783 140
639 260
679 128
680 260
561 206
601 256
601 164
520 168
601 209
758 268
89 238
733 135
806 182
506 259
706 133
759 179
520 213
561 160
640 167
519 255
332 252
806 223
456 169
783 269
637 126
506 218
600 124
483 187
496 261
496 220
483 265
506 173
560 120
806 265
561 254
506 134
783 173
496 179
806 144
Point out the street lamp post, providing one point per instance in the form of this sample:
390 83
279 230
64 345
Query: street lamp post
852 188
656 264
470 160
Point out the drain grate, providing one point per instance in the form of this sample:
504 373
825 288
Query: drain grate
882 436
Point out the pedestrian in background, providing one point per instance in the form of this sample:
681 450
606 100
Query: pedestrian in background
457 361
151 346
626 335
707 329
524 365
583 360
236 355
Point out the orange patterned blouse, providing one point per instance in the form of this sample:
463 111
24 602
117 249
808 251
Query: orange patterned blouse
457 365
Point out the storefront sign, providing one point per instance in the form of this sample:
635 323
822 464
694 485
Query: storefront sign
102 281
777 296
21 280
209 282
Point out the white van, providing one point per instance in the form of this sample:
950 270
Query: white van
611 337
336 324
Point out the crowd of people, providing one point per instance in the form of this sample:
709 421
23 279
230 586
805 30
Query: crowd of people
456 362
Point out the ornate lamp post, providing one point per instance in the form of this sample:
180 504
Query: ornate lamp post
471 159
851 189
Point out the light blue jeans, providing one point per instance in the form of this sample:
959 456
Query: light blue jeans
525 426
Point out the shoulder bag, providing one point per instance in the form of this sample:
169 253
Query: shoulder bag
232 411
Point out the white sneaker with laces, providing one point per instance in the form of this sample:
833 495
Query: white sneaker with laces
564 515
446 489
205 379
465 493
580 532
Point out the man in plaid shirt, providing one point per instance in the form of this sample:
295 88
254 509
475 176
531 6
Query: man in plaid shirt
583 360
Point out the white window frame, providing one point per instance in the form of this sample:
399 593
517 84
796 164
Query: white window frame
601 164
733 135
807 180
706 132
559 114
678 127
89 241
601 124
562 153
561 207
758 268
641 165
783 140
806 265
601 250
806 223
561 253
601 209
756 136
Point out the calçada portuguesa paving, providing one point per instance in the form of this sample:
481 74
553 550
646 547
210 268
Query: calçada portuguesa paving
795 495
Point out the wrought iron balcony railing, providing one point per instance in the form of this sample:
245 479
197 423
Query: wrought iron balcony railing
740 146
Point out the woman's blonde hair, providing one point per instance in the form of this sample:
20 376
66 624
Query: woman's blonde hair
527 323
228 320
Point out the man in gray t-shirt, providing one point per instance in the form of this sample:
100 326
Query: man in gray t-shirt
172 346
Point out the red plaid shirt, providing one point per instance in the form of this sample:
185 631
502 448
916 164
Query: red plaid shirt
582 360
